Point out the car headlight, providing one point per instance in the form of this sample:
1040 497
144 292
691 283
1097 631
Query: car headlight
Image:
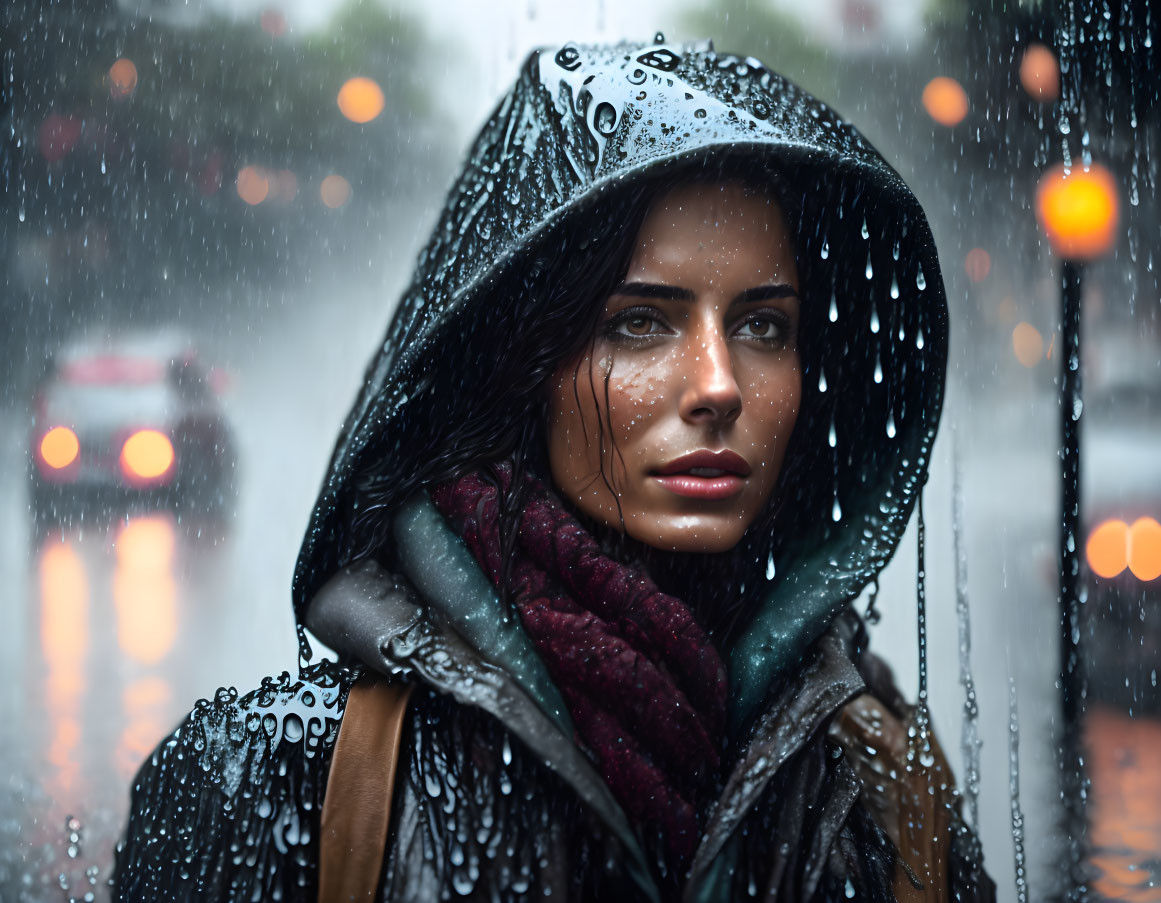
59 447
146 455
1115 545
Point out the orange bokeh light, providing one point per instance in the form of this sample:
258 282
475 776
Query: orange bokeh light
59 447
360 99
273 22
1040 73
1145 549
122 78
335 191
253 185
146 455
945 101
977 264
1028 344
1078 210
1114 546
1107 548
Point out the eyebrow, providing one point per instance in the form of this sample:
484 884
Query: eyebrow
676 293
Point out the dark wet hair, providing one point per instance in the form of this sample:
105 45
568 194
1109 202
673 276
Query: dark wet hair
487 394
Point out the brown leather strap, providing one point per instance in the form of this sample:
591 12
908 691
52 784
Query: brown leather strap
357 806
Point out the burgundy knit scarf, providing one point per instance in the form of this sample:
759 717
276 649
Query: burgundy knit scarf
645 686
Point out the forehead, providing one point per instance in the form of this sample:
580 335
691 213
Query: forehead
711 231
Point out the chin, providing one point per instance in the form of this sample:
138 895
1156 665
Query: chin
704 539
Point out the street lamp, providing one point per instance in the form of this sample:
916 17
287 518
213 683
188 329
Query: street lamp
1077 208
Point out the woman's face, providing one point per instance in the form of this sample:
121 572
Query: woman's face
685 401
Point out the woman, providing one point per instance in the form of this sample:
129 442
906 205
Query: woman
654 410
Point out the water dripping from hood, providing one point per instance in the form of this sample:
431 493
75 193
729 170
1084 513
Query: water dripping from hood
969 731
872 615
1014 794
919 733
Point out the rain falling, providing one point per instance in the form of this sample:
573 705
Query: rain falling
713 449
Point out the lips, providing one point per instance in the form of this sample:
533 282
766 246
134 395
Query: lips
704 474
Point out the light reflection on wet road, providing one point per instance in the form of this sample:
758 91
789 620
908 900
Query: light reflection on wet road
1125 810
124 628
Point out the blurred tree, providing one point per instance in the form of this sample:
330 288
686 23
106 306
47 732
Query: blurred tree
121 199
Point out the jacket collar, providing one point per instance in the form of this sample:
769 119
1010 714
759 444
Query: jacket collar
365 612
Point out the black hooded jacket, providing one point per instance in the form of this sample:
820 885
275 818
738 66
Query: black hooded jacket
495 799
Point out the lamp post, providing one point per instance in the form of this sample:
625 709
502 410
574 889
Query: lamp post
1078 210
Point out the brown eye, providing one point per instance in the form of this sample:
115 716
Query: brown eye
767 328
639 326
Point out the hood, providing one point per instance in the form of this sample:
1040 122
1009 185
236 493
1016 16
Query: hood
581 124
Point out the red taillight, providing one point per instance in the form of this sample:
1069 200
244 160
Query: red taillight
146 456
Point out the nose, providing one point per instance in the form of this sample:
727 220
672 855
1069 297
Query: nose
711 395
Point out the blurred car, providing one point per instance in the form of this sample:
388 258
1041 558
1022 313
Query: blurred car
134 420
1121 482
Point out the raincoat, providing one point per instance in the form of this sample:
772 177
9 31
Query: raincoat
494 797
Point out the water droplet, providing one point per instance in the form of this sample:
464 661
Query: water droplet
865 231
606 118
659 38
894 287
874 320
833 307
920 279
825 252
870 270
770 567
699 113
878 368
890 424
832 439
919 339
836 512
821 380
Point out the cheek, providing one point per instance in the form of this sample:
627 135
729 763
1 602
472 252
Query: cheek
777 398
633 387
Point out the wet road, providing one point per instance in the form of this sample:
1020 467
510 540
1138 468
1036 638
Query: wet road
111 628
114 625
